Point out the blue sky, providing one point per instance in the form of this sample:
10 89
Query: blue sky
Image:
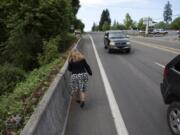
91 10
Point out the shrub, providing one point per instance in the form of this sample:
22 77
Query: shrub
176 24
54 47
50 51
14 103
22 49
9 77
65 42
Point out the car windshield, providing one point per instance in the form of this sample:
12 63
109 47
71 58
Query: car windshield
117 35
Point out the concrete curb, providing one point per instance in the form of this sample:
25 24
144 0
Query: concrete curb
51 115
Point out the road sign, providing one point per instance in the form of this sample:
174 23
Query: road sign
72 27
148 21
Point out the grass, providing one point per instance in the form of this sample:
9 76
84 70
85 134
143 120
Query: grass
25 97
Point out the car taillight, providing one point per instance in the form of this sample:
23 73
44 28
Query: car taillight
166 72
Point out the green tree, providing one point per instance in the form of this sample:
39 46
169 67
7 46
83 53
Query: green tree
3 32
176 24
94 27
75 6
167 13
161 25
79 25
128 22
121 26
134 25
114 26
106 26
28 24
117 26
141 25
105 18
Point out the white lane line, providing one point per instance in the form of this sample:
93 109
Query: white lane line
160 65
77 43
117 117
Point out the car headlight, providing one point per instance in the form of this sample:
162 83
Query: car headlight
128 43
112 43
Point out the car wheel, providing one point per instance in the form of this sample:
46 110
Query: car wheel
128 50
110 50
173 118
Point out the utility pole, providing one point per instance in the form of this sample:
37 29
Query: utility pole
147 27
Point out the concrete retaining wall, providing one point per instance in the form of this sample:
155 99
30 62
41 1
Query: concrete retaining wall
51 114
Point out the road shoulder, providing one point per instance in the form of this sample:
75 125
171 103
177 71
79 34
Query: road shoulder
95 118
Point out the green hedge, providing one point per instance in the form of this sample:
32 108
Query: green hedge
65 42
14 103
9 77
54 46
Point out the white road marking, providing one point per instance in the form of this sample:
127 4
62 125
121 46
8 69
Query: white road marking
117 117
160 65
77 43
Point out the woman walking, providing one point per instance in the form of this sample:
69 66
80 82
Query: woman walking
79 78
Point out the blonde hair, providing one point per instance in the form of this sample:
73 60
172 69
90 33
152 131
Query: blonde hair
75 56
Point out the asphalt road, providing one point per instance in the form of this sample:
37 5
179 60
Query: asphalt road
134 79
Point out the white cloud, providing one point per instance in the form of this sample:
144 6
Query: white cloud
91 2
108 2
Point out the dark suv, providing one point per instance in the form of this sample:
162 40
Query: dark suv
170 89
116 40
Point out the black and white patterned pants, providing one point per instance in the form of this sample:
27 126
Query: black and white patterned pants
79 82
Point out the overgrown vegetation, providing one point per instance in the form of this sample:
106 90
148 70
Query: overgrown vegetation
26 95
176 24
34 35
9 77
29 24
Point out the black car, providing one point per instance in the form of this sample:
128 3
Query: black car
116 40
178 32
170 89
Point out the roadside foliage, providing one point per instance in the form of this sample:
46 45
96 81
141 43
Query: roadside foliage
34 35
176 24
